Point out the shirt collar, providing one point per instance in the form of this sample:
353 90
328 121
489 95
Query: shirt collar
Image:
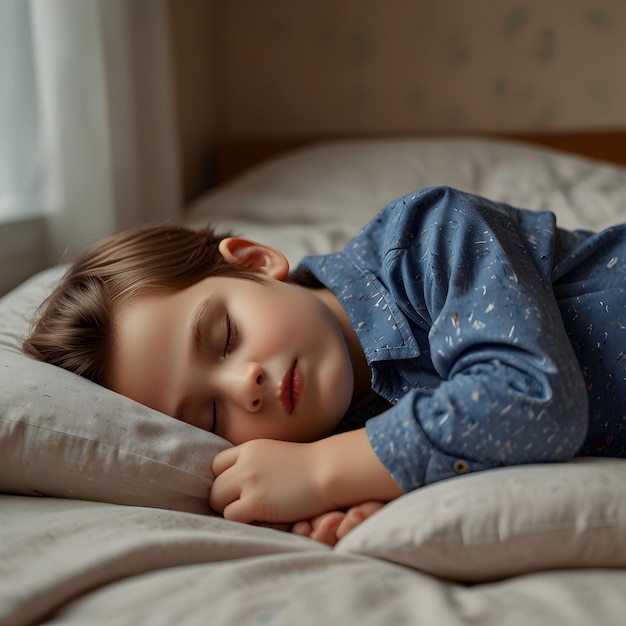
381 327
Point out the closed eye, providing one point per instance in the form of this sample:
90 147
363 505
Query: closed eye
214 424
231 336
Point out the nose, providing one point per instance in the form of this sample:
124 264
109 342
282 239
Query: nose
249 386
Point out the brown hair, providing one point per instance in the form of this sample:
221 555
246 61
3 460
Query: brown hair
75 327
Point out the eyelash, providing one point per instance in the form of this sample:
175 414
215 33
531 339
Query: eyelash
214 417
231 336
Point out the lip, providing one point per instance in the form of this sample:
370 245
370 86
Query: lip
291 388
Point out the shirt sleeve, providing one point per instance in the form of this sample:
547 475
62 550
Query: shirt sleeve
512 391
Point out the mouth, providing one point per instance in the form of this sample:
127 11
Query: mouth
290 388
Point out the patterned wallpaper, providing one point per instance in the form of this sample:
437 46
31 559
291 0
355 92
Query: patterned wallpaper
306 66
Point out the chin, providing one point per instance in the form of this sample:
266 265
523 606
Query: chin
343 400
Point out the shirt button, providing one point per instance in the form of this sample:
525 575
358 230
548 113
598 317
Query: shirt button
461 467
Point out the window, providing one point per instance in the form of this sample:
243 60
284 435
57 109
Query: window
22 224
19 125
87 127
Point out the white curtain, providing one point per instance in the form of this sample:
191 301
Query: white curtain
94 137
19 129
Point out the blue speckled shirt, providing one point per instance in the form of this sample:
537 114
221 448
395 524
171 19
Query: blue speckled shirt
495 337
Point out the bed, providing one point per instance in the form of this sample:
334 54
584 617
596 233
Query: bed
103 511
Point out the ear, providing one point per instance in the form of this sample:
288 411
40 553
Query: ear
254 256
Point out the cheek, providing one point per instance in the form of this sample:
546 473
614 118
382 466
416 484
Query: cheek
241 430
343 384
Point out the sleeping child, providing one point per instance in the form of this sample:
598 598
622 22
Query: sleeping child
453 334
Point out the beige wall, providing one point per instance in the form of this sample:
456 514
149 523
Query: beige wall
308 66
272 68
193 47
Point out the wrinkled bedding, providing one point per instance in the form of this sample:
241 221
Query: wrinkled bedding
103 515
77 562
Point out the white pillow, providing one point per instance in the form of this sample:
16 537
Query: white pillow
314 198
504 522
62 435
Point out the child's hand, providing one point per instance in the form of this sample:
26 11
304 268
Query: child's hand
267 481
330 527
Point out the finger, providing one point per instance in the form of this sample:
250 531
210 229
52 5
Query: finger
371 506
352 519
223 460
332 518
356 515
237 511
326 530
224 490
303 528
347 524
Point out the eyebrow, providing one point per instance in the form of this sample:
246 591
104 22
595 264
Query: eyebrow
205 310
196 337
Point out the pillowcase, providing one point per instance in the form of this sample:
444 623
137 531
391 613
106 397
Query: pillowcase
504 522
62 435
332 188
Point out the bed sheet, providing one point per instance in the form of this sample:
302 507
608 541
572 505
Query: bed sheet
75 562
535 545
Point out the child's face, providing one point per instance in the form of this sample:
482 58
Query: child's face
241 358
